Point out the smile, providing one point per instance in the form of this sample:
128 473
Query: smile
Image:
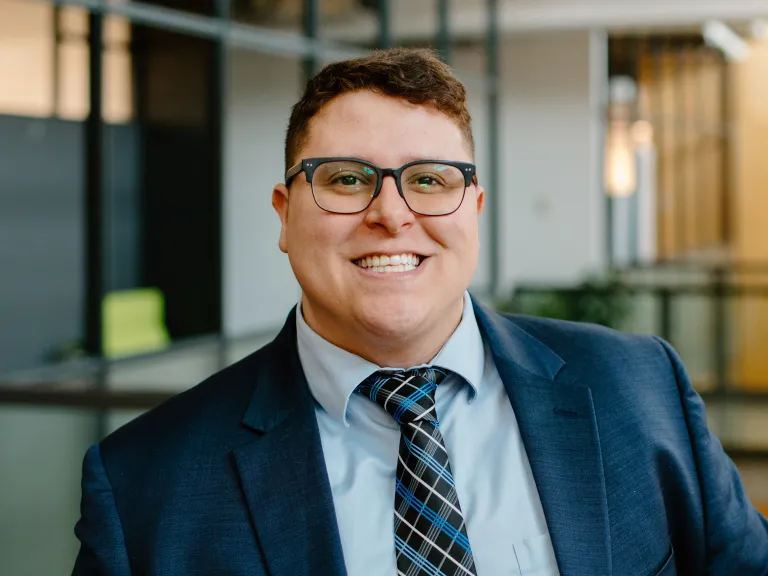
388 263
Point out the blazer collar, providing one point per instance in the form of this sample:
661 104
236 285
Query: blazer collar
512 345
282 468
279 384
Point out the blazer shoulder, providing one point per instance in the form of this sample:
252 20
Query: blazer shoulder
632 371
592 347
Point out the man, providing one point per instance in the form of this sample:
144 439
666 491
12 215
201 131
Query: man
396 426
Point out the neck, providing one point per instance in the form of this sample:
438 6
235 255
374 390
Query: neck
386 349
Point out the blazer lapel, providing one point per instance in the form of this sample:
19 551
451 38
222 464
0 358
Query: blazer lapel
282 469
559 430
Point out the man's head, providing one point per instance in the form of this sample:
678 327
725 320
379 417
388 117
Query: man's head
388 109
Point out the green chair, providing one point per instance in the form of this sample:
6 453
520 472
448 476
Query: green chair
133 322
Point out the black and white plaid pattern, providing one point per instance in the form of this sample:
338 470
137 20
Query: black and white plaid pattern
430 534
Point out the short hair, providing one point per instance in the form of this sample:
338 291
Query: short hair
416 75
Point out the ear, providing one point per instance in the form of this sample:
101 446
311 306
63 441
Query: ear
280 204
480 198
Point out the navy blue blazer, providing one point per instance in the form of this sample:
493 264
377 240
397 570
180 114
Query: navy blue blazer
229 476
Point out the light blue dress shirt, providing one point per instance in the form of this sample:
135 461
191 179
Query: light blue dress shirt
505 521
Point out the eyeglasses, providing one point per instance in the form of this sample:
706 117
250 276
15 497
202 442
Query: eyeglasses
349 185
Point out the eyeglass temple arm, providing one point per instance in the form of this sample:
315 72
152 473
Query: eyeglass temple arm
292 171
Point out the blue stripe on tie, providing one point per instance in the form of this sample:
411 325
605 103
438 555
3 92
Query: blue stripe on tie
378 385
417 558
433 464
417 395
438 521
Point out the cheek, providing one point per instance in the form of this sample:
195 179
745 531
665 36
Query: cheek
303 242
470 231
459 237
316 237
306 227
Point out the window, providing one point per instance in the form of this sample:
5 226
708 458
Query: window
26 58
45 68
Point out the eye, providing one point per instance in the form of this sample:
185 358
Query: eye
348 180
426 181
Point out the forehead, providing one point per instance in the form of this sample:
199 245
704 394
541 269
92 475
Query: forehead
383 129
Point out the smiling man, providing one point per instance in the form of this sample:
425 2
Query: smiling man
397 426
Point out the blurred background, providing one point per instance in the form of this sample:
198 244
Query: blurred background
623 144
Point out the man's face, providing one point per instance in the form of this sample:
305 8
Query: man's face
355 307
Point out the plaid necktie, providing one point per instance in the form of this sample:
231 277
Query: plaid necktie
430 535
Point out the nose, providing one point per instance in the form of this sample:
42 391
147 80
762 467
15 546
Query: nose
389 210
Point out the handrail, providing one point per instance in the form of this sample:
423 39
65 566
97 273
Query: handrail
82 383
90 367
728 266
43 395
639 287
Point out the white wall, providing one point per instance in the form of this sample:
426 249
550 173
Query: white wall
259 287
468 65
551 197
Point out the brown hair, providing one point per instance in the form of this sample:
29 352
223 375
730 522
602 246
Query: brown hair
416 75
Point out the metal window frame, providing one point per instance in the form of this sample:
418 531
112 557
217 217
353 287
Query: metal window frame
236 35
493 105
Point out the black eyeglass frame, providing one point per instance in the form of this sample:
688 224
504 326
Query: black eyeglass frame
308 166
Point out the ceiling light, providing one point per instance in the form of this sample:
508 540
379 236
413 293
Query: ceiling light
720 36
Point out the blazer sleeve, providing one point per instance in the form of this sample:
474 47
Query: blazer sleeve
736 533
102 545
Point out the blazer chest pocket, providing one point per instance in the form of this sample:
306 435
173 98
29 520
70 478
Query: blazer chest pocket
668 567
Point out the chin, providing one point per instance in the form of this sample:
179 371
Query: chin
394 318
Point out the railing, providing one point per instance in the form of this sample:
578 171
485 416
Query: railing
137 382
715 316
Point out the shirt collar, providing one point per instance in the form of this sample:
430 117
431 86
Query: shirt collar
333 373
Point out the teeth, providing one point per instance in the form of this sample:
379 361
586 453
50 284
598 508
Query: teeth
388 264
393 269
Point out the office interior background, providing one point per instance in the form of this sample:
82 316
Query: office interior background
622 144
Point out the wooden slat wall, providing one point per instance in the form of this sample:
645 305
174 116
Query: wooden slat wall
681 95
749 164
711 150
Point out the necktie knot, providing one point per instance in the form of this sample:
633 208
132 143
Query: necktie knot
408 395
